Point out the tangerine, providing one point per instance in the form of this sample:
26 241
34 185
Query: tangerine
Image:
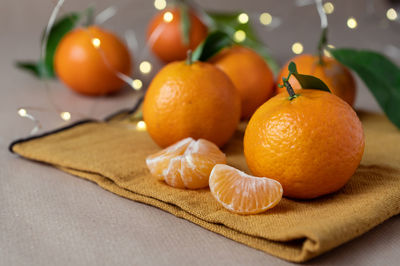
88 59
165 36
311 143
193 100
336 76
249 73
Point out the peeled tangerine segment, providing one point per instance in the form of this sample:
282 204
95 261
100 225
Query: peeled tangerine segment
186 164
158 163
242 193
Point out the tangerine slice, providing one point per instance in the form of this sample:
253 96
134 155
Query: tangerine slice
186 164
242 193
159 162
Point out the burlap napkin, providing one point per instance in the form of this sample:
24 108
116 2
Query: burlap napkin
112 154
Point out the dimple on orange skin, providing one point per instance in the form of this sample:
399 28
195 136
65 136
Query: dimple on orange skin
249 73
311 144
242 193
196 100
89 70
166 38
336 76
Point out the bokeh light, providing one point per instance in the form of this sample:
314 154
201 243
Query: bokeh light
141 126
65 116
137 84
391 14
239 36
168 17
352 23
265 18
297 48
329 8
243 18
160 4
22 112
145 67
96 42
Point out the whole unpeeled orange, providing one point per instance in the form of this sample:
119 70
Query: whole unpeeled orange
336 76
312 143
165 34
87 60
195 100
250 73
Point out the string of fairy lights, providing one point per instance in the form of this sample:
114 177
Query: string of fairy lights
145 67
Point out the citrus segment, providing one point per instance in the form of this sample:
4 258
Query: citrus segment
160 161
242 193
186 164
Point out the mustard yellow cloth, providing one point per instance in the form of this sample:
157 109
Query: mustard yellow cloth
113 155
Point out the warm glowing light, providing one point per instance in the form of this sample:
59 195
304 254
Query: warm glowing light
352 23
297 48
265 18
329 8
326 51
65 116
168 16
141 126
391 14
243 18
96 42
239 36
160 4
137 84
145 67
22 112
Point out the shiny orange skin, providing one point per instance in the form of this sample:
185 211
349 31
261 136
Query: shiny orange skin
166 38
89 70
250 74
311 144
336 76
196 100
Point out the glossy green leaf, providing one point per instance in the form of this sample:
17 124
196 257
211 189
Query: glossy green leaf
381 76
185 23
214 43
311 82
228 23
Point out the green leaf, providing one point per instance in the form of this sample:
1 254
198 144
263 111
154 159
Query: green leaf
60 28
214 43
38 69
185 23
306 81
311 82
381 76
228 23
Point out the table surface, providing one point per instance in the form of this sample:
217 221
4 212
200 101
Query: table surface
48 217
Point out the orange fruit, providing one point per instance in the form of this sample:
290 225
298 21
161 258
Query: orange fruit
90 70
311 144
165 37
191 100
250 74
336 76
186 164
242 193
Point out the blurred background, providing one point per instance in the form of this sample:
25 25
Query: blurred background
291 27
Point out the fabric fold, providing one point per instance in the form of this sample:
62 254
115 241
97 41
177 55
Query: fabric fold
112 154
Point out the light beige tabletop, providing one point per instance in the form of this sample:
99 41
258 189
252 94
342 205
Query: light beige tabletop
48 217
